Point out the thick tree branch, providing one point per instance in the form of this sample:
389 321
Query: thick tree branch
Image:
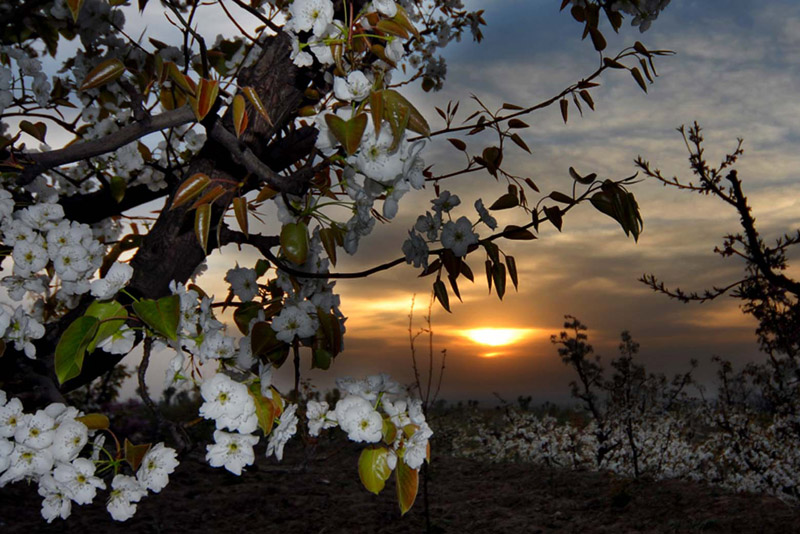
44 161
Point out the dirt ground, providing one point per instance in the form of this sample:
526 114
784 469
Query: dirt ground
466 496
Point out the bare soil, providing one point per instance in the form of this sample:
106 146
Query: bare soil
465 495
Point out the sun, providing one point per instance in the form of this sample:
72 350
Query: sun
496 337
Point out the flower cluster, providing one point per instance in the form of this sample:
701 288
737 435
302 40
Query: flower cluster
376 410
45 447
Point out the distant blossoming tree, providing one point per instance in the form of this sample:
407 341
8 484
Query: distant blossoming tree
301 112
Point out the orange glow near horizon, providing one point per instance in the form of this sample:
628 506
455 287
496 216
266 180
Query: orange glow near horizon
497 337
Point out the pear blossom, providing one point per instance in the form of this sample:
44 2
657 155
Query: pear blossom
126 491
310 15
416 250
319 417
78 478
416 448
36 431
233 451
11 417
26 462
116 278
385 7
243 282
483 213
57 501
359 419
293 321
287 427
229 403
120 342
355 87
458 236
69 438
159 462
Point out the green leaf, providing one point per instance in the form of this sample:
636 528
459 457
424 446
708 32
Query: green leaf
240 210
72 346
511 263
440 291
189 189
103 311
397 110
117 186
348 133
37 130
561 197
294 242
637 75
518 233
202 224
328 238
554 216
321 359
373 468
265 409
244 314
264 344
407 486
162 315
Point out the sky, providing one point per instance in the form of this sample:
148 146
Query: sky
735 72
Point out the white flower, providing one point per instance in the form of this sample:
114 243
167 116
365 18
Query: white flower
458 236
125 493
445 202
70 262
243 283
116 278
42 216
159 462
429 224
319 418
385 7
299 57
231 451
78 478
281 434
416 448
11 417
29 257
56 502
6 448
70 437
487 219
26 462
120 342
416 250
36 431
311 15
355 87
217 346
293 321
359 419
229 404
22 329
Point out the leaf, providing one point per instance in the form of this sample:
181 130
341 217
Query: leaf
511 263
458 143
103 311
294 242
637 75
396 107
348 133
265 409
488 265
583 180
440 291
37 130
587 98
240 210
373 468
244 314
564 103
407 486
94 421
254 99
240 118
613 63
207 91
531 184
263 339
72 347
392 28
189 189
554 216
499 278
180 79
520 143
134 454
505 202
331 330
75 8
518 233
107 71
328 238
202 225
598 40
516 123
561 197
162 315
265 194
376 109
117 186
321 359
210 196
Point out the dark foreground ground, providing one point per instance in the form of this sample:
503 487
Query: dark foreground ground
466 496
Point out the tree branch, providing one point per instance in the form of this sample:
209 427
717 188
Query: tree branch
44 161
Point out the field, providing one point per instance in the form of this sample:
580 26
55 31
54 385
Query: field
321 493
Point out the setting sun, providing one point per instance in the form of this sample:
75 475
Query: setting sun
496 337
